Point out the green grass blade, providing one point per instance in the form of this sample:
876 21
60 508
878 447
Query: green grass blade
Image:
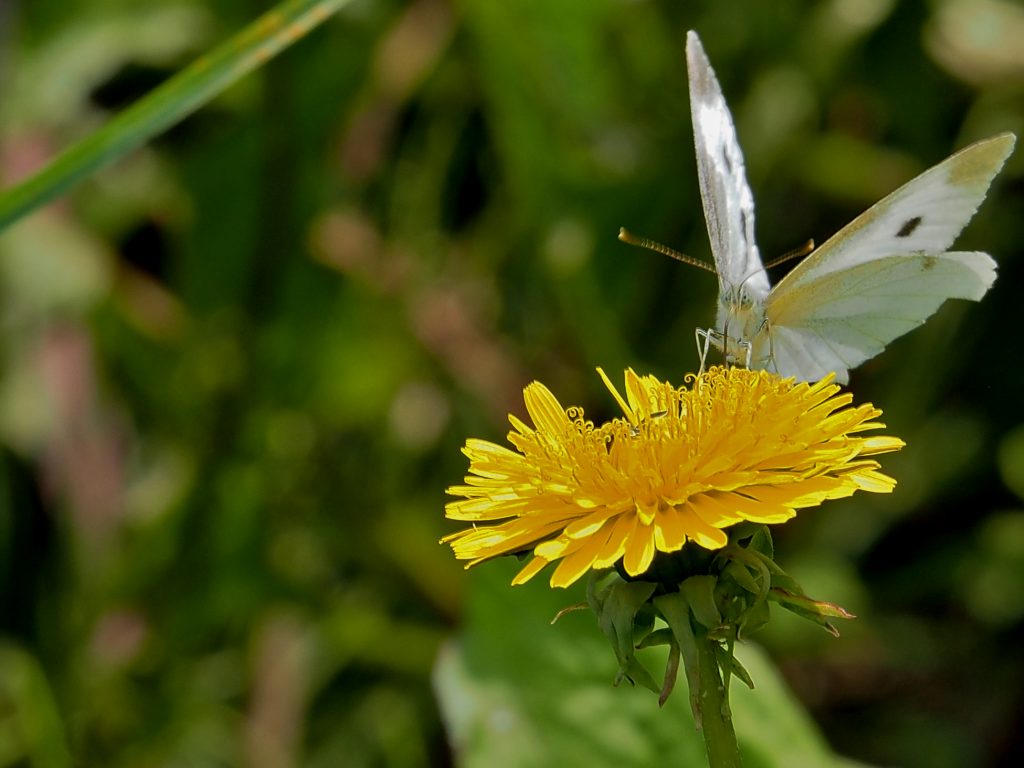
170 102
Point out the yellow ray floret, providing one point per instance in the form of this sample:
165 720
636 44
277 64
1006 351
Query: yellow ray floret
682 464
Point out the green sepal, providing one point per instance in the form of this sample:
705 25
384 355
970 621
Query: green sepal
755 617
656 638
813 610
671 673
790 595
818 607
740 573
727 661
753 536
717 606
637 674
675 610
621 616
699 592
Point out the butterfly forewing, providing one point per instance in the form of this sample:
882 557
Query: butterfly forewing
884 273
728 202
923 216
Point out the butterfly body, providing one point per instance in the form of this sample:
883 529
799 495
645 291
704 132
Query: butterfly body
879 277
740 318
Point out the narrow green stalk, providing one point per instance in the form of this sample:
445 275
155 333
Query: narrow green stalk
716 720
170 102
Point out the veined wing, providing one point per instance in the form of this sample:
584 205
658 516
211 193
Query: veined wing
840 319
884 273
728 202
923 216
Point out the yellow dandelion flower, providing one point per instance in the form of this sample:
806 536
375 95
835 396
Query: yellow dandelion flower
682 465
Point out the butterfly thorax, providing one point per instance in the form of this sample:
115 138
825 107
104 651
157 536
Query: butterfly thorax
740 318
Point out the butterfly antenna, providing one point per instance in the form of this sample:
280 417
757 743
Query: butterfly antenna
796 253
628 237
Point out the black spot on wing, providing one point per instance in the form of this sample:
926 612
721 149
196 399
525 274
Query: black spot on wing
909 226
726 160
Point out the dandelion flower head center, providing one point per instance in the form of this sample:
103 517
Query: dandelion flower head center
681 464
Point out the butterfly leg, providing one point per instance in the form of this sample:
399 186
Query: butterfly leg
772 365
749 349
703 336
708 337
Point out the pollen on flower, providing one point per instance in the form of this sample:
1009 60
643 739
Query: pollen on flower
682 464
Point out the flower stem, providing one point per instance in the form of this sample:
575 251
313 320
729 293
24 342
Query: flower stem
716 720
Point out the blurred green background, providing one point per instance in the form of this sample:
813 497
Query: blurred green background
237 366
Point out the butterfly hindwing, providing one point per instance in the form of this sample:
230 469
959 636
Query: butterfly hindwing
855 313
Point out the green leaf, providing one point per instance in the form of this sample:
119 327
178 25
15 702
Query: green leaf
169 103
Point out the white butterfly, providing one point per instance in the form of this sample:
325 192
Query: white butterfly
880 276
